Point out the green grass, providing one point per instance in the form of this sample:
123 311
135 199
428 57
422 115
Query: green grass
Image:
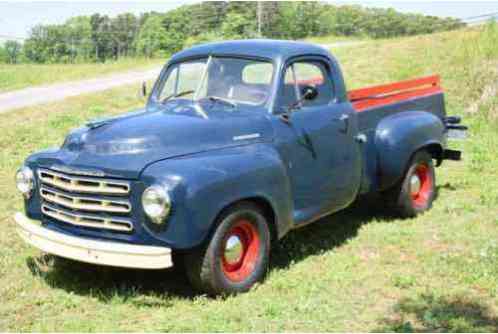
24 75
358 270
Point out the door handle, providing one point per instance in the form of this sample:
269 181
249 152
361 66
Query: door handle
344 119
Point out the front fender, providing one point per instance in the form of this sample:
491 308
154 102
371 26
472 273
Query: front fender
398 136
202 185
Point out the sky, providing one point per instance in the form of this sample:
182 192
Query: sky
17 17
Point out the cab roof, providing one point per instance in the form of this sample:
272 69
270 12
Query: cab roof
259 48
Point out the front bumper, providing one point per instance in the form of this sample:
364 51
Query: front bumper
92 251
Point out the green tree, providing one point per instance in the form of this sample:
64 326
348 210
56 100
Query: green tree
238 26
3 55
178 29
206 16
124 29
152 37
101 36
36 46
79 36
12 51
269 18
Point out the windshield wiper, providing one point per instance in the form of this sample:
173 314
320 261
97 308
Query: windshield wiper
186 92
221 99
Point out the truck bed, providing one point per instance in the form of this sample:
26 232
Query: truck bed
376 96
375 102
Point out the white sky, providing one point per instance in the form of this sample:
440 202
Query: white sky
17 17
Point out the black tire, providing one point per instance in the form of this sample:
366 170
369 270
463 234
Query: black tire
407 201
178 262
207 267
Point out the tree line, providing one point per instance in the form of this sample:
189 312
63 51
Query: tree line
100 38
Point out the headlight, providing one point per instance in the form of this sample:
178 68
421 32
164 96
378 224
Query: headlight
156 204
25 181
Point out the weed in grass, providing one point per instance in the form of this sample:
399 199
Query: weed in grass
404 281
431 313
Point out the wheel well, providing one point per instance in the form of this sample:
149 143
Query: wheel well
435 150
269 215
267 209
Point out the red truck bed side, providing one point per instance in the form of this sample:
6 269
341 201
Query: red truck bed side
377 96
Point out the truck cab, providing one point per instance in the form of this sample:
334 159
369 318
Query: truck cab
239 143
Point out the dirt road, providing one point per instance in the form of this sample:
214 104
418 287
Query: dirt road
49 93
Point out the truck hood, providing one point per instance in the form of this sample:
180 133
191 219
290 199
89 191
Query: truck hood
123 146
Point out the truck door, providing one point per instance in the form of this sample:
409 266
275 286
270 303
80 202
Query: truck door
317 141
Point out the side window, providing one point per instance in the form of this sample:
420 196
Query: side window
309 73
306 73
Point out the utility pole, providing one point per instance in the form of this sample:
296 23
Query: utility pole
260 14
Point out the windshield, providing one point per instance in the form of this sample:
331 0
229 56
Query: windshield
225 79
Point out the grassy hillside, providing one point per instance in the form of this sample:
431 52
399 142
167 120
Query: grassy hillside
359 270
24 75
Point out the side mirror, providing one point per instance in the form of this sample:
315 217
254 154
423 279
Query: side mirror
143 91
309 93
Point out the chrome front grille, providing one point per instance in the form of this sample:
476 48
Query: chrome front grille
110 223
86 201
83 184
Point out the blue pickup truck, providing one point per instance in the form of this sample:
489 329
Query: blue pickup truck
239 143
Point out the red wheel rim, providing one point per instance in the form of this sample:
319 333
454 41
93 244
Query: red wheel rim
238 266
421 185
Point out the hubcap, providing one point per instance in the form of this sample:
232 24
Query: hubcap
421 185
233 249
415 184
241 251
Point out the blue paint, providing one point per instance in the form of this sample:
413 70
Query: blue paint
303 168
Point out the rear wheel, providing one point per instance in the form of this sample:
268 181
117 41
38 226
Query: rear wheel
415 193
237 255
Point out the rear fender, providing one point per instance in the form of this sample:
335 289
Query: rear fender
399 136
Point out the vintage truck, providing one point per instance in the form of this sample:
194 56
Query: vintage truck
239 143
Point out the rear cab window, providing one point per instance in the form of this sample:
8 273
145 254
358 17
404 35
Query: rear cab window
257 74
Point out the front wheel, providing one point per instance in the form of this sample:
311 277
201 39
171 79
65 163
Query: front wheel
415 193
237 255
